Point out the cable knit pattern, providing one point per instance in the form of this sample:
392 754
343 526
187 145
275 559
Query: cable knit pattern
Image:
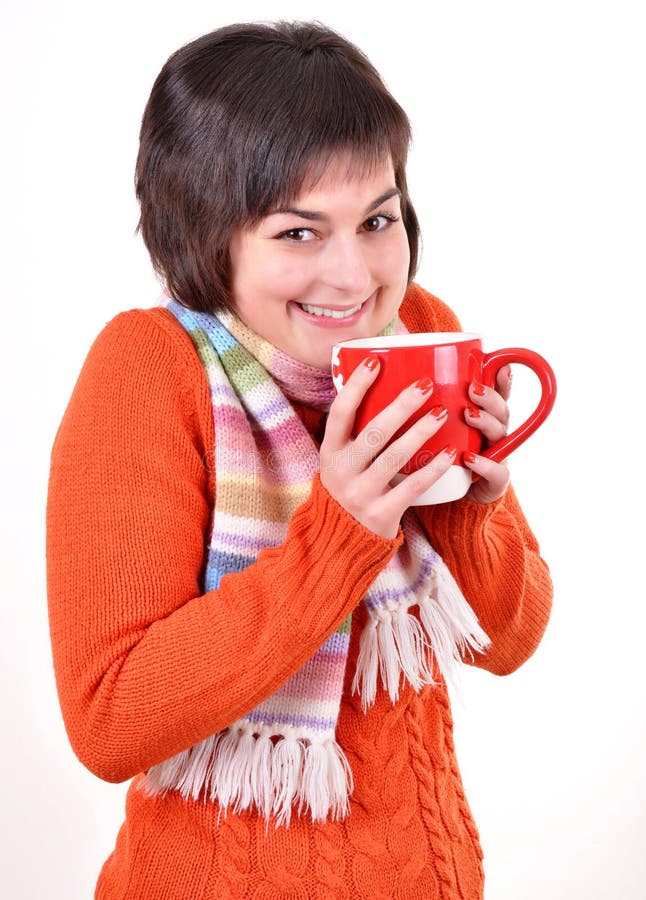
147 665
232 857
329 866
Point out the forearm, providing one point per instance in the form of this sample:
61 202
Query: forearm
495 559
137 686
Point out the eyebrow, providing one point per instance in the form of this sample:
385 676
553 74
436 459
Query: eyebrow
313 216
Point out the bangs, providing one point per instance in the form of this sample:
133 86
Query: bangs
288 131
305 173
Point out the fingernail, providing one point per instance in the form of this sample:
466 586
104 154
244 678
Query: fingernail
424 386
438 412
470 457
450 450
478 389
371 363
473 412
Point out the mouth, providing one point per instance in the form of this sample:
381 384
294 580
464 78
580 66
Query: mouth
331 316
328 311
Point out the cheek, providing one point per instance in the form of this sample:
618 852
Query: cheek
392 260
281 274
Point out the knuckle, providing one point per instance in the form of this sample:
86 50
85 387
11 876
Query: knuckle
419 481
341 404
416 482
371 520
391 462
354 495
357 459
372 436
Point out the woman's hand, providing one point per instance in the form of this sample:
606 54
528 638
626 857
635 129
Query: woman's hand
490 415
357 471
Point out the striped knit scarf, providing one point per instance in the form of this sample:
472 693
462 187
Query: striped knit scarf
283 754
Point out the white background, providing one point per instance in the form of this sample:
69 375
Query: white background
528 176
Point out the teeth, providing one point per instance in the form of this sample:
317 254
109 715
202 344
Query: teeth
331 313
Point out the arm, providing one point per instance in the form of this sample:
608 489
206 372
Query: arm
146 664
489 548
495 559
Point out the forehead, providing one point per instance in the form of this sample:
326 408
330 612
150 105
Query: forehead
347 175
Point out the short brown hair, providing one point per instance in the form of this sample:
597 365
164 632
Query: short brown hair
235 122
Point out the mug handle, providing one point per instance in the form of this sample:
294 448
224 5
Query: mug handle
491 365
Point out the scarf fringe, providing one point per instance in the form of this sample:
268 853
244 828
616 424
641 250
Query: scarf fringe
395 642
243 770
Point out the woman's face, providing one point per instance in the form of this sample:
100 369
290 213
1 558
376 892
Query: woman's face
331 266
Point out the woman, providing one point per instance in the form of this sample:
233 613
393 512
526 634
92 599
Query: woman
220 547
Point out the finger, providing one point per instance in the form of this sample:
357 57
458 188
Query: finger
396 455
409 489
374 437
340 421
503 382
493 481
490 401
491 427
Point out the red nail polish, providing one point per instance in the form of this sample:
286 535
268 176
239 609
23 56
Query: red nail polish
424 386
371 363
438 412
473 411
450 450
478 389
470 457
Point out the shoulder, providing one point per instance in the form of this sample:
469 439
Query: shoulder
147 347
143 365
144 337
423 311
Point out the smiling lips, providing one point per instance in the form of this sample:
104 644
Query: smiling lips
327 314
332 313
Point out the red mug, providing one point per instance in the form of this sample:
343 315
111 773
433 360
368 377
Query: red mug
453 360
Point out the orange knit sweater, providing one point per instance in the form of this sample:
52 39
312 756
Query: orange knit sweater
148 665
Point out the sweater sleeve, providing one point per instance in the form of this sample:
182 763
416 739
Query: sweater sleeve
489 548
146 664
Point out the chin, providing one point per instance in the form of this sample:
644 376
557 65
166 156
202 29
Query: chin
321 362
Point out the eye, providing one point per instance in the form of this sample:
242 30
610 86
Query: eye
378 223
298 235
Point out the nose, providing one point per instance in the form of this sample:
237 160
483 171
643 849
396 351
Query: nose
345 265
